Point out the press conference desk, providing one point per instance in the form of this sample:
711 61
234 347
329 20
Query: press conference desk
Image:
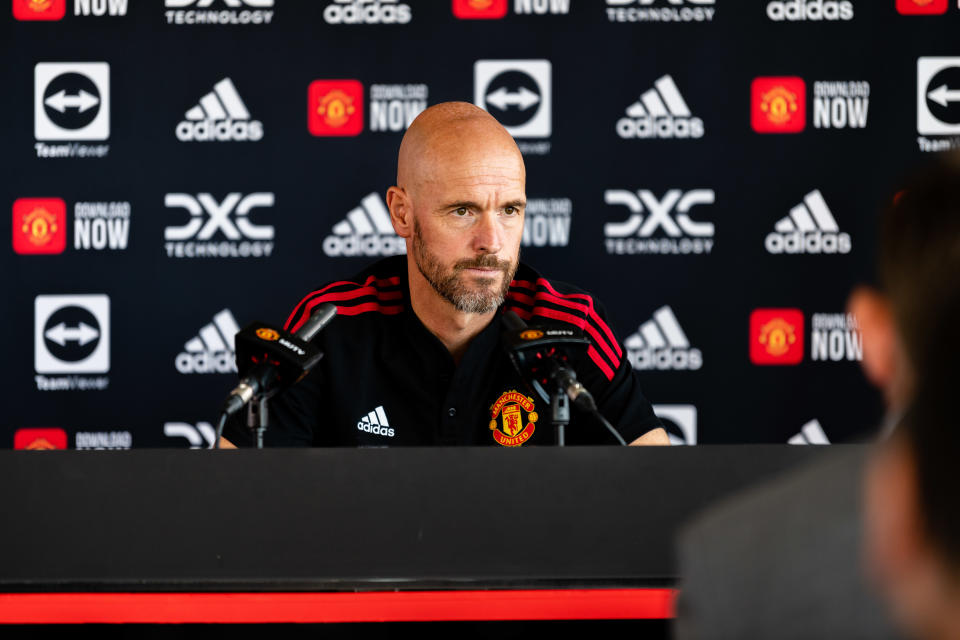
356 534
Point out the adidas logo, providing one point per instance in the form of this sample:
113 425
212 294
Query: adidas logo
367 231
661 344
660 112
376 423
810 433
810 228
220 116
212 350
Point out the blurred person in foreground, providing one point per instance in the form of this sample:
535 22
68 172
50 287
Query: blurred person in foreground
912 517
784 560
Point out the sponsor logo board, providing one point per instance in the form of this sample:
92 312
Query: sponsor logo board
659 225
518 93
922 7
366 231
776 336
810 10
39 225
661 344
226 12
42 439
547 222
71 336
661 112
220 116
71 102
212 350
810 228
219 229
39 9
335 107
367 12
660 10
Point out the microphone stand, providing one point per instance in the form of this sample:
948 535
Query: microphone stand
258 416
560 410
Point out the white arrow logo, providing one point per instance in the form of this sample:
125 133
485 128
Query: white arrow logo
524 98
942 95
60 101
61 334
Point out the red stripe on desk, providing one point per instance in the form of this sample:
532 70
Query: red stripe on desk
402 606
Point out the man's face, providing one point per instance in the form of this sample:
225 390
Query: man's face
468 223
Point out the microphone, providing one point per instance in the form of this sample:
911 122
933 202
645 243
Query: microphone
537 354
269 358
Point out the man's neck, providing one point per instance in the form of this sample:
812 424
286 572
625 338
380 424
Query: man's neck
453 328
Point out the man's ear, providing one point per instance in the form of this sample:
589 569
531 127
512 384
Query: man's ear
875 317
401 211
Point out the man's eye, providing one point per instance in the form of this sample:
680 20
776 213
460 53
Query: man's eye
462 211
511 211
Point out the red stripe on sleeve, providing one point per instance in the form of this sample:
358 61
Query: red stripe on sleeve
604 367
593 313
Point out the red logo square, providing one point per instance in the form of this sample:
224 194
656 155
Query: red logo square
40 439
479 9
776 336
39 9
39 225
335 107
921 7
778 105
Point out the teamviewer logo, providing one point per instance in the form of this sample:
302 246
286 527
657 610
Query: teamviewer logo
517 94
938 96
72 101
72 334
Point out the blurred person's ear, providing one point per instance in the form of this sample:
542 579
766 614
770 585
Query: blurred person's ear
883 361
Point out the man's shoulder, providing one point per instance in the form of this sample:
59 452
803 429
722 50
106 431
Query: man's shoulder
782 558
377 289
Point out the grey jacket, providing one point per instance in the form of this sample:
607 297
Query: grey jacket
782 560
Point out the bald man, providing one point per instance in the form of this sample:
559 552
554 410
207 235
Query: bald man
414 355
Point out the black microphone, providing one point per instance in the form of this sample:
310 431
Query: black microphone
536 353
269 358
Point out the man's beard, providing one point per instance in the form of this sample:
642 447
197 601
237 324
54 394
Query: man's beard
452 286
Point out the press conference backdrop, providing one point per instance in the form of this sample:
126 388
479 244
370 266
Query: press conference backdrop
711 170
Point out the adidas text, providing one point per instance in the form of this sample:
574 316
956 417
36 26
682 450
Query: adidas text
367 12
222 131
795 10
375 429
810 242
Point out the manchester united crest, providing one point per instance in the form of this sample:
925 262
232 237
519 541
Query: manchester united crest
512 418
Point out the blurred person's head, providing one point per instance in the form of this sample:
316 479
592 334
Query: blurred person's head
912 491
918 259
912 485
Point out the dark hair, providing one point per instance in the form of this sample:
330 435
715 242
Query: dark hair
920 271
931 430
919 252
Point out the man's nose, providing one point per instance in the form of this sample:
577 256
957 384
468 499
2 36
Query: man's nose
487 237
